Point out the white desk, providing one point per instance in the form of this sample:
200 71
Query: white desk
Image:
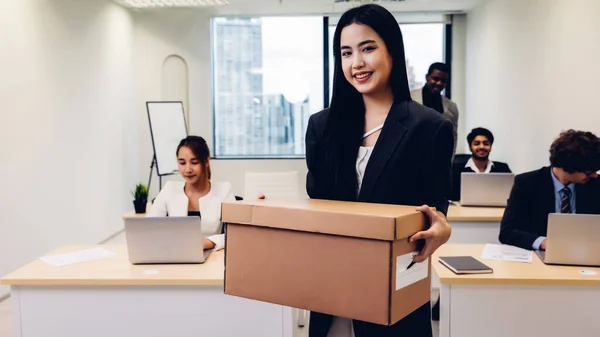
469 225
474 224
111 297
301 316
518 299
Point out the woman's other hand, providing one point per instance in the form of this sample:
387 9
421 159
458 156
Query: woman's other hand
437 234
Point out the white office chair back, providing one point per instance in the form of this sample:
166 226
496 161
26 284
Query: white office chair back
271 184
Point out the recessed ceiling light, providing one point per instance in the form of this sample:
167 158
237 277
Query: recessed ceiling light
171 3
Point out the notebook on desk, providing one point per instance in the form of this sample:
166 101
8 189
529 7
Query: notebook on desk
465 265
572 239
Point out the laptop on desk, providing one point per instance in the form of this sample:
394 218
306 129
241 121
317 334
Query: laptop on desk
485 189
164 240
572 239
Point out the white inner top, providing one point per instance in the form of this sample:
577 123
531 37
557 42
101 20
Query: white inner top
362 159
364 154
471 164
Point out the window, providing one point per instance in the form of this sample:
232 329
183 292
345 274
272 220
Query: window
267 80
423 45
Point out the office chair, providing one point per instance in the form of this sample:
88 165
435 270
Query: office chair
275 185
458 163
272 184
460 159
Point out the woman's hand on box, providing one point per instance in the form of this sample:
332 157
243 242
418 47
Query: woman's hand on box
437 234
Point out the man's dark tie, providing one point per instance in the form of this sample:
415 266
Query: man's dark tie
566 200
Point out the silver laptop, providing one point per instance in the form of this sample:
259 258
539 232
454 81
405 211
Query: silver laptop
572 239
485 189
162 240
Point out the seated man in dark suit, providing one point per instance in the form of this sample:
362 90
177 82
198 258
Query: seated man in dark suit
480 143
569 185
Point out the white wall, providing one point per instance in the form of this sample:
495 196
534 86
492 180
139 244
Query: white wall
532 72
459 38
68 131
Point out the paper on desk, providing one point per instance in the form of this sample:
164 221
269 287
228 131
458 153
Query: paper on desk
506 253
77 257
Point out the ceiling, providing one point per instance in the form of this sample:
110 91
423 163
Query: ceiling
396 5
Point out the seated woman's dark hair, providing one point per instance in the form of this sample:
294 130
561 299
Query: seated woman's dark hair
199 148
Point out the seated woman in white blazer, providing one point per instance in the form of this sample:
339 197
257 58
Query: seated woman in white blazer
197 195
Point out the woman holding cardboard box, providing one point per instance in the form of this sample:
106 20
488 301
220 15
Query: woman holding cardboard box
196 195
374 144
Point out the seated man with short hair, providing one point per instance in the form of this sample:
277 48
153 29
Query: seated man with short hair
480 143
569 185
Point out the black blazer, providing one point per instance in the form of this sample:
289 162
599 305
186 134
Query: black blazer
532 199
458 168
410 165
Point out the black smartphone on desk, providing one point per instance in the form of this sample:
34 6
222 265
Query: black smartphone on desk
465 265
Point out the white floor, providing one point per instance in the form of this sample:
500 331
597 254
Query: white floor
6 317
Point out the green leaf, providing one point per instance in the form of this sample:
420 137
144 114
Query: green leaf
140 192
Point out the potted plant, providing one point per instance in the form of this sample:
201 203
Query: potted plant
140 198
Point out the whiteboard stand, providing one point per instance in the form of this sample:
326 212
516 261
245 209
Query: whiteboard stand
151 171
167 129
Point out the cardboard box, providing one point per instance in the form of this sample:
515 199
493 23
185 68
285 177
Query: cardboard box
341 258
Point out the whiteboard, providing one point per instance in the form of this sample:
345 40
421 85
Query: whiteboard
167 128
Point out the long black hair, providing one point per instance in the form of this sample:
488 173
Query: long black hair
346 117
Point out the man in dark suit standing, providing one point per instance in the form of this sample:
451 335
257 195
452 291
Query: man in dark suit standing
569 185
436 80
480 143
